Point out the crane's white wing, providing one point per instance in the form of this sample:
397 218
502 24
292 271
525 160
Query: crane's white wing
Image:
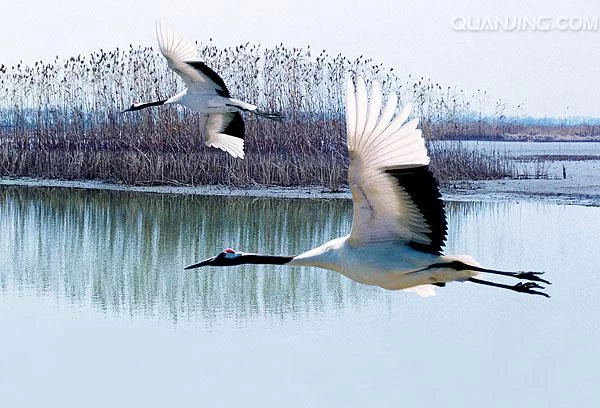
225 131
395 196
182 57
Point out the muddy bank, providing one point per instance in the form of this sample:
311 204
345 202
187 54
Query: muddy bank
283 192
577 191
558 191
581 185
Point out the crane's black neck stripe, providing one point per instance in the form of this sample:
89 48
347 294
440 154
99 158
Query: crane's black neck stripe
212 75
422 187
240 259
260 259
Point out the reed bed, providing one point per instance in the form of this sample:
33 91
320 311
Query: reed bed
62 119
453 162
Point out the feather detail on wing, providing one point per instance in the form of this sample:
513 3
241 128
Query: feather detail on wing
225 131
182 57
396 197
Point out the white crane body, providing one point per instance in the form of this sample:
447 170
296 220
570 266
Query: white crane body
390 265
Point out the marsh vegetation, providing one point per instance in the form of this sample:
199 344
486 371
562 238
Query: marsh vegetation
61 119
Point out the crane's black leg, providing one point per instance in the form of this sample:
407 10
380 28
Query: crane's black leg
276 116
523 287
461 266
530 275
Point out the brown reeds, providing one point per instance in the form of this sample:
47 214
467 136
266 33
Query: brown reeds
62 119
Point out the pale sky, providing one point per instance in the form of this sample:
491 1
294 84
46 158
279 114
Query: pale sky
553 71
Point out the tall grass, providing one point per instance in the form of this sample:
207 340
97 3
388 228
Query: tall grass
453 162
61 119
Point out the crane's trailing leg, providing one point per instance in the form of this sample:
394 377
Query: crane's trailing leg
246 107
524 275
277 117
523 287
531 277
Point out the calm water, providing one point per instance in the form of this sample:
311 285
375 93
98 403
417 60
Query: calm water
96 310
518 149
555 156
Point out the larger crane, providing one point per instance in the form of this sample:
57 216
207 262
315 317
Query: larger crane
399 223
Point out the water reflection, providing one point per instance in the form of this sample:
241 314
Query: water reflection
125 252
69 258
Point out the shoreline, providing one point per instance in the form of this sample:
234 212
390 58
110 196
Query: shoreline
559 191
215 190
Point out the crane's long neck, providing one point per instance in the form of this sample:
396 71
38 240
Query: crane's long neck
325 256
239 258
146 105
261 259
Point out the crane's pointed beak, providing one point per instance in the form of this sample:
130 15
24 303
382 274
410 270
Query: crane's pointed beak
206 262
132 108
137 106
